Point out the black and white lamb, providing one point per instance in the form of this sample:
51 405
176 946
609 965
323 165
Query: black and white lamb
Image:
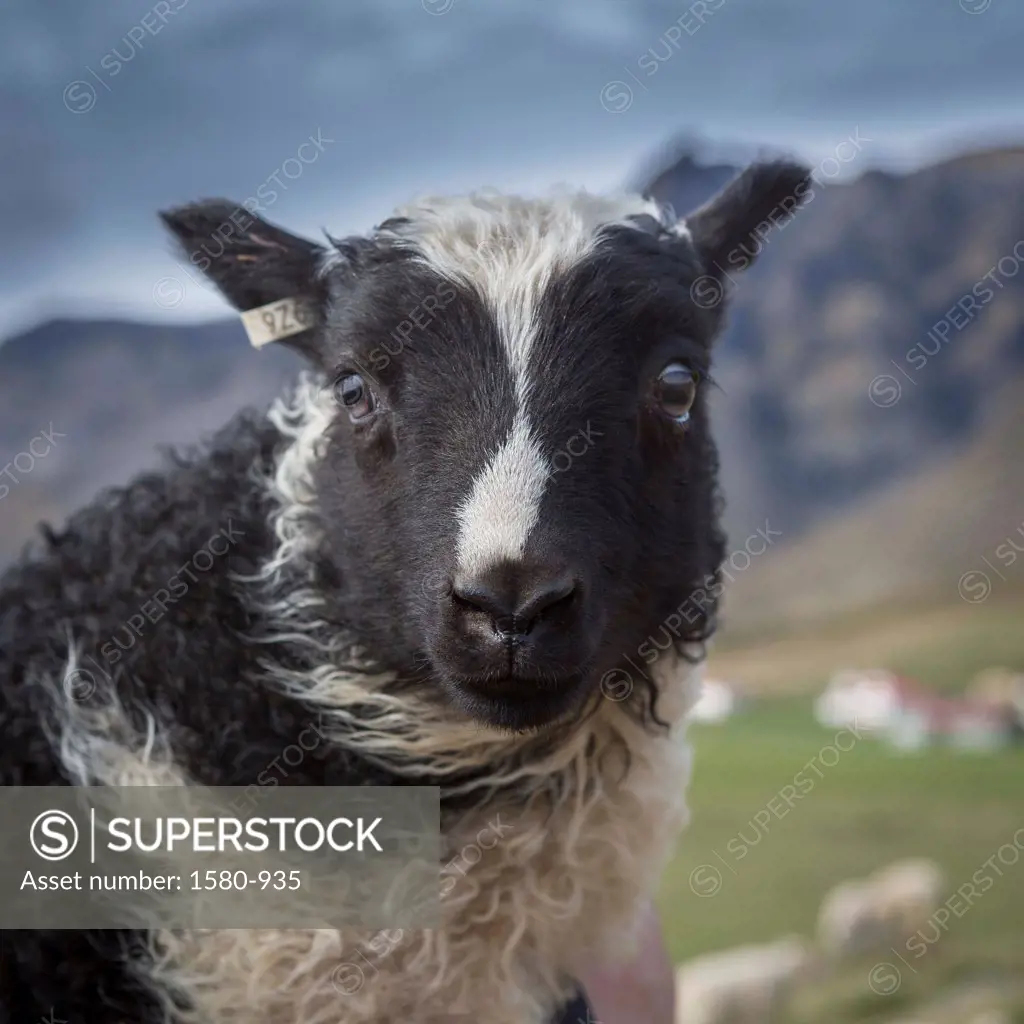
476 547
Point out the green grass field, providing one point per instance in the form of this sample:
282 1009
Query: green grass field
739 879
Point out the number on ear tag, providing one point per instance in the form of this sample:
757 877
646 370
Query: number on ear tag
276 320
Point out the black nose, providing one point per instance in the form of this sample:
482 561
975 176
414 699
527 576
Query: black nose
515 598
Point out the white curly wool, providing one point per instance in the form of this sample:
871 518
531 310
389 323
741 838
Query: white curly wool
588 826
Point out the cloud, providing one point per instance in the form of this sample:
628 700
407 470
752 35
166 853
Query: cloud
212 98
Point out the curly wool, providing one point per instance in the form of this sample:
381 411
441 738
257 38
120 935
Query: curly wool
593 821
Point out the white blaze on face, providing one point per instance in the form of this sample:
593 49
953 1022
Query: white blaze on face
508 249
504 504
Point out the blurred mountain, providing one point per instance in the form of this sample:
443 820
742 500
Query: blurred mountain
883 455
911 541
872 382
686 172
111 393
847 293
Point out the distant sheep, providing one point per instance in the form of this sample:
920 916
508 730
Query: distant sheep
880 911
745 985
397 553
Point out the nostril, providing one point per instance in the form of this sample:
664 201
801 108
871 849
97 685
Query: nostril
554 597
513 605
472 598
508 625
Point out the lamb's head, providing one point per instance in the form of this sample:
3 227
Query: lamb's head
517 484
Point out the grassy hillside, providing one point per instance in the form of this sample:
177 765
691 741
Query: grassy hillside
942 645
911 542
736 881
752 868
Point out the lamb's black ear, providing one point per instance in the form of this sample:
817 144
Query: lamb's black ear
731 229
252 263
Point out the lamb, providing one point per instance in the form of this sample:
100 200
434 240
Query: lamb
882 910
390 552
745 985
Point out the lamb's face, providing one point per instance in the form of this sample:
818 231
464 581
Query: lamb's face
520 451
518 483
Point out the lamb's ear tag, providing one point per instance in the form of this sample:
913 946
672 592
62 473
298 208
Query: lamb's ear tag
276 320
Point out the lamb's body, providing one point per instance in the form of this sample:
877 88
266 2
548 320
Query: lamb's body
88 700
419 565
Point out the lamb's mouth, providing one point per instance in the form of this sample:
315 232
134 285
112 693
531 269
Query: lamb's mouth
519 703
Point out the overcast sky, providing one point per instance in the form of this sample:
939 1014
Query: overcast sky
109 111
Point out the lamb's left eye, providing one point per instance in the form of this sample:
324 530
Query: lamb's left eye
355 395
675 390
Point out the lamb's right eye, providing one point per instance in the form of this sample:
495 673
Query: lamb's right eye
352 392
675 390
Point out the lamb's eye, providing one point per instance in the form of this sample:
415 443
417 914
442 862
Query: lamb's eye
352 392
675 389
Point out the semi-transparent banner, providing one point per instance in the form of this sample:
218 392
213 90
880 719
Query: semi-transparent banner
222 857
